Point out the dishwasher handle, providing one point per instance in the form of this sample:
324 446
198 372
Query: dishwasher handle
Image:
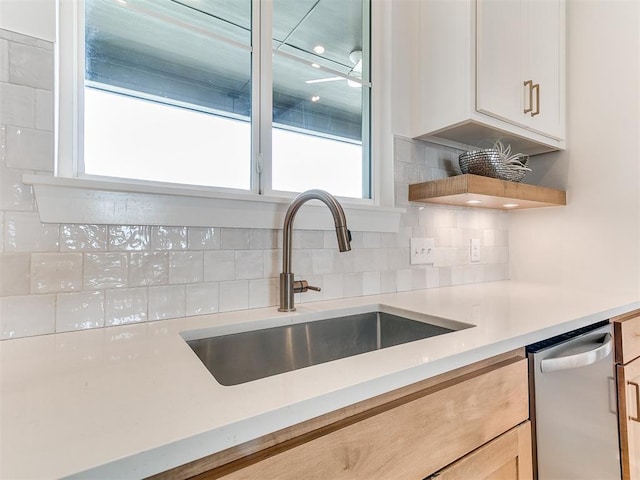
577 360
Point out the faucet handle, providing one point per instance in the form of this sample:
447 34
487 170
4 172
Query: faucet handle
301 286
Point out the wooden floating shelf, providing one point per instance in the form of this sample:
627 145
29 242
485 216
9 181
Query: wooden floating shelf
485 192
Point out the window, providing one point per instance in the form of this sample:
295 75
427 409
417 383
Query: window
267 97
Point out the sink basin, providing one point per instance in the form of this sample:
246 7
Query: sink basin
242 357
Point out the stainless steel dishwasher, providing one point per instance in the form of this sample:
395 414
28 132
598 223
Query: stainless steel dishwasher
573 406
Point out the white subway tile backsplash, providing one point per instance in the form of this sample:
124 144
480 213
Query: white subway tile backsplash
169 238
272 263
127 305
4 60
17 105
404 279
14 274
24 233
105 270
14 195
129 238
148 268
313 239
419 278
44 110
249 264
219 265
353 283
30 66
167 302
302 262
333 286
433 277
444 277
234 295
357 240
388 281
371 240
263 292
365 260
202 298
3 145
26 315
1 231
79 238
186 267
56 272
203 238
263 239
80 310
322 261
235 238
401 194
371 283
29 149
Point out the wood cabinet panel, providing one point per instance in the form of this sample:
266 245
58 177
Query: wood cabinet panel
508 457
629 418
410 439
626 329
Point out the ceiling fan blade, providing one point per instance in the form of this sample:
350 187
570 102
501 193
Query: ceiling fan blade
322 80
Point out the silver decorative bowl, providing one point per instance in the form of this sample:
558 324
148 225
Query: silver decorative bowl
488 163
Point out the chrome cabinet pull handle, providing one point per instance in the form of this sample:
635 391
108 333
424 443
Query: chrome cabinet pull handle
529 83
536 87
637 387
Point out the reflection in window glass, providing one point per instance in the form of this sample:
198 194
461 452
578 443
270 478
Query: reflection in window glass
320 107
167 94
180 77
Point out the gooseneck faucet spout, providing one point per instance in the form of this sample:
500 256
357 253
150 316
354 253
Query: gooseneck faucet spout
287 284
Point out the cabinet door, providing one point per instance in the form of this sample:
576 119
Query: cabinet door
418 435
629 417
499 57
508 457
520 42
542 58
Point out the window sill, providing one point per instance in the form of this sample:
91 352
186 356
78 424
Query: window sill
90 201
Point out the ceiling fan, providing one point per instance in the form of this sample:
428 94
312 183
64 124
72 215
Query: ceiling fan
356 71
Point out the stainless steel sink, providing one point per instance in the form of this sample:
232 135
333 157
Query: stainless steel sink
242 357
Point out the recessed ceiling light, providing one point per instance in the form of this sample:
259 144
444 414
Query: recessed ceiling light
315 98
473 202
319 49
315 65
510 205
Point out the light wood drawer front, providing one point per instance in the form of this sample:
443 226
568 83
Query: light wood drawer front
508 457
413 439
626 329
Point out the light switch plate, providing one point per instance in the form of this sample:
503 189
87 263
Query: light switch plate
422 250
475 250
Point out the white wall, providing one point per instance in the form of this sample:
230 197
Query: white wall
593 242
35 18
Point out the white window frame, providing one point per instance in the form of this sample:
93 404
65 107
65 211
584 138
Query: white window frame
71 198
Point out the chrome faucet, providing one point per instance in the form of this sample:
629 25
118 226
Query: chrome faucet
287 284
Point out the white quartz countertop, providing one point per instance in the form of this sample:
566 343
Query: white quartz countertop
134 400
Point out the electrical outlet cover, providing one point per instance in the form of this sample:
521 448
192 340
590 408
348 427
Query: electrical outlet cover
422 250
475 250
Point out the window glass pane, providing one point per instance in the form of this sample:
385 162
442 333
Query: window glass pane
320 107
179 77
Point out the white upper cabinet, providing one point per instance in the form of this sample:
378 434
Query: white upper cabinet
491 69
